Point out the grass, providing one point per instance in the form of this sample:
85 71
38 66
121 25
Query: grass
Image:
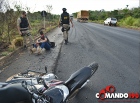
36 25
50 28
5 53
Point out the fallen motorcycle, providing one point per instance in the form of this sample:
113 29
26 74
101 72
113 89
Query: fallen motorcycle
53 91
31 74
14 91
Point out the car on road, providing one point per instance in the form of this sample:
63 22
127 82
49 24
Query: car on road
71 17
110 21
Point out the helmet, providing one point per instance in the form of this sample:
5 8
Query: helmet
64 9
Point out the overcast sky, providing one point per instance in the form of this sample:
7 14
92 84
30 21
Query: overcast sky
77 5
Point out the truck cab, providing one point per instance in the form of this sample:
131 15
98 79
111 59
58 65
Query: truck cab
83 16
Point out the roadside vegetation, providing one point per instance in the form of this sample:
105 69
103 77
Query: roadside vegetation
126 17
10 40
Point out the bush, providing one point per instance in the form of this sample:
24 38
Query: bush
129 21
5 53
18 41
136 22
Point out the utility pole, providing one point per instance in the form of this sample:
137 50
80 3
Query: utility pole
44 19
44 14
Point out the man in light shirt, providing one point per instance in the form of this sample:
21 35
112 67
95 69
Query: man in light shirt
23 26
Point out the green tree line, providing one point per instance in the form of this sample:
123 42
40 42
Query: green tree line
130 17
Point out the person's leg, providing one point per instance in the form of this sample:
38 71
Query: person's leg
42 45
67 36
67 31
24 41
47 46
30 39
40 48
64 32
34 49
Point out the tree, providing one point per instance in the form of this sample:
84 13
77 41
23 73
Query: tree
127 6
49 9
75 14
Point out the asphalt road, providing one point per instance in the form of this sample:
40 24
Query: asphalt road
115 49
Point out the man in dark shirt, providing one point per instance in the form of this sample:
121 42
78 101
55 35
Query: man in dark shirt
65 22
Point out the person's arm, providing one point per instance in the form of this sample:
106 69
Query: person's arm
43 40
38 40
71 21
18 25
29 23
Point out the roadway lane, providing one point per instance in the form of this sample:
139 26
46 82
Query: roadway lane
117 50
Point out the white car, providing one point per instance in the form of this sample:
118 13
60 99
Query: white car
110 21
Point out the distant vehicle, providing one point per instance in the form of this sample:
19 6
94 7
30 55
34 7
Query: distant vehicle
71 17
83 16
110 21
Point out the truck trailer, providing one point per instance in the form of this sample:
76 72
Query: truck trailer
83 16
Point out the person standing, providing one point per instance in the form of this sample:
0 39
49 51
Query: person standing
23 27
65 22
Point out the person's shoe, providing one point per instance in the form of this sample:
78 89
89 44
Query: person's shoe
43 50
39 50
32 50
66 42
25 47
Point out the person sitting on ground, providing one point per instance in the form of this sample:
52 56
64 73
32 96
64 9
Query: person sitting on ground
42 44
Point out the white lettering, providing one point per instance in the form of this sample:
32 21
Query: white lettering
121 95
125 95
113 95
117 95
97 95
107 95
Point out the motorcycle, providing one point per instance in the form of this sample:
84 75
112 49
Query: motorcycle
63 92
14 91
28 74
48 91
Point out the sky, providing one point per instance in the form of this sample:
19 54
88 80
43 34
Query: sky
76 5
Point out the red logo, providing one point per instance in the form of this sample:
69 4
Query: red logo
109 92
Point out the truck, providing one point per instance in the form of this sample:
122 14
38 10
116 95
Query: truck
83 16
